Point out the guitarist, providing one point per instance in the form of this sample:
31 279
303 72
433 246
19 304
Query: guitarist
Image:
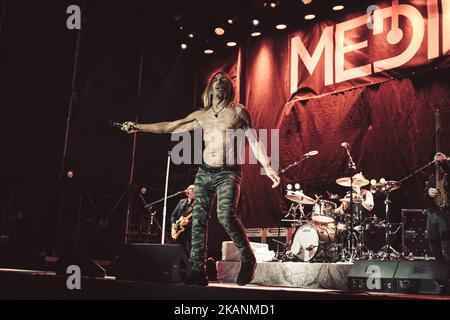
181 220
438 219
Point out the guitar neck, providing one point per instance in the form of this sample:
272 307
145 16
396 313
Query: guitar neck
437 141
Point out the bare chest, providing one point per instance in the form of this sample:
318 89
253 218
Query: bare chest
227 119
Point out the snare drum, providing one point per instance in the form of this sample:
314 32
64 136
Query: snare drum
323 212
308 237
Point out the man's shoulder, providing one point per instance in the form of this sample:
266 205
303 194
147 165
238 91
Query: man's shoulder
240 109
238 106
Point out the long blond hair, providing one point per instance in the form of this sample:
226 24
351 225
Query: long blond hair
228 95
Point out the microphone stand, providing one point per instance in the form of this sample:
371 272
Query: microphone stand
162 199
388 251
282 171
351 165
153 220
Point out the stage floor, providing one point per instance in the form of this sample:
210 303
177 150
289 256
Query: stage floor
41 285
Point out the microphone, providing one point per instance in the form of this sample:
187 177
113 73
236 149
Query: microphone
182 191
120 125
115 124
351 164
311 153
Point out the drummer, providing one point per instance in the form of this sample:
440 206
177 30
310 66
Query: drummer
362 198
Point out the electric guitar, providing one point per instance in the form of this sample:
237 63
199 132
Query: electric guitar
180 224
441 198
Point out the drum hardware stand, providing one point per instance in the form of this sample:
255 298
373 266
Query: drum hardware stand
295 210
277 255
361 252
388 252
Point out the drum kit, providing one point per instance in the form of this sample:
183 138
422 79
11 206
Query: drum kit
326 232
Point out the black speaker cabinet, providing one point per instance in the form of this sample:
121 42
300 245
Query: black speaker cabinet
372 275
423 277
414 233
419 277
150 262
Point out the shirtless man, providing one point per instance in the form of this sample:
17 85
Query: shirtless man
220 172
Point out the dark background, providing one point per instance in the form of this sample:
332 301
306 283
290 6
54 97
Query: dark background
126 64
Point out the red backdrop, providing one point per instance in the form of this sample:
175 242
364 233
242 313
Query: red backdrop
389 125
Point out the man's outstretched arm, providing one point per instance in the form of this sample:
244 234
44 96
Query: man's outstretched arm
258 148
185 124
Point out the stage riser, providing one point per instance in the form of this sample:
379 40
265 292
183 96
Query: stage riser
331 276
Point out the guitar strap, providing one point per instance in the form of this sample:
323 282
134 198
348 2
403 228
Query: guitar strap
188 208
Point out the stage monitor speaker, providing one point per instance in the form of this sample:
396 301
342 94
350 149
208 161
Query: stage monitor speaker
74 256
422 277
374 275
151 262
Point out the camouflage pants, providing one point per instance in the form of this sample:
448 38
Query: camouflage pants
226 185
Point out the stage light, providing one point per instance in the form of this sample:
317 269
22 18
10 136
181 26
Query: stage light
230 21
255 22
297 186
373 182
231 44
306 1
289 186
184 46
255 34
191 35
219 31
281 26
382 180
338 7
273 4
309 16
208 51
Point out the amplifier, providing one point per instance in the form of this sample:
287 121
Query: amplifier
414 233
268 235
256 235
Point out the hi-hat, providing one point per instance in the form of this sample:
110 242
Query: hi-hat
299 197
357 180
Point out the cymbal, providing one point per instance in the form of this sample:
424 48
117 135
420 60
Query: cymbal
383 186
357 182
299 197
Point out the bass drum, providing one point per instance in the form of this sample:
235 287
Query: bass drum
308 238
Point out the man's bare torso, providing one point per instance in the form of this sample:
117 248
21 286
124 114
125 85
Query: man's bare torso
217 151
